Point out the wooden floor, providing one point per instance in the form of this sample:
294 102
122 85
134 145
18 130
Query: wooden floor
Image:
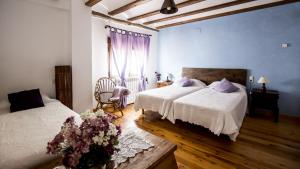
261 143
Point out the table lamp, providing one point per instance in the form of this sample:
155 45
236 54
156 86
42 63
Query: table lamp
263 80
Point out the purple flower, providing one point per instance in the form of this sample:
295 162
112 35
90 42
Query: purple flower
74 141
71 159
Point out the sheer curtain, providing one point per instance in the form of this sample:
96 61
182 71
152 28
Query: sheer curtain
121 50
130 52
141 46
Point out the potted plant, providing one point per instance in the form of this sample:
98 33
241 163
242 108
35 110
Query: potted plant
89 145
158 76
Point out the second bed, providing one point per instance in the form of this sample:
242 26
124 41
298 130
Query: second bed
219 112
201 105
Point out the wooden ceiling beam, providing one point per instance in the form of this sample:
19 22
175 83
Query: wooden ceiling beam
272 4
220 6
91 3
98 14
128 6
180 5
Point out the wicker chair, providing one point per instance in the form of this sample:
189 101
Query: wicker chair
103 93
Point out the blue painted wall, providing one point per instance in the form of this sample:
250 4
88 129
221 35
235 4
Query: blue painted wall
249 40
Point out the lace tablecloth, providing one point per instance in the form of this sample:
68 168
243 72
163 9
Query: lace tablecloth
130 145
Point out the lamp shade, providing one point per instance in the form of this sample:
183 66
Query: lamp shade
263 80
168 7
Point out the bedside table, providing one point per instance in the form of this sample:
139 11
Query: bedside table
163 83
265 100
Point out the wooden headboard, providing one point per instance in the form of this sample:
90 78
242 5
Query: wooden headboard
209 75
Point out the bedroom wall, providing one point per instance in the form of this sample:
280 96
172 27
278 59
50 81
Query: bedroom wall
37 35
34 37
100 55
250 40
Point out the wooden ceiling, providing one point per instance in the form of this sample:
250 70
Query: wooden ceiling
145 13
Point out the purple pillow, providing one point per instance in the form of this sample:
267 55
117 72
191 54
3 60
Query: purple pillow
185 82
24 100
225 86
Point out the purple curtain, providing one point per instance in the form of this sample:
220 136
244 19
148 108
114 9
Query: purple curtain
121 49
141 45
125 46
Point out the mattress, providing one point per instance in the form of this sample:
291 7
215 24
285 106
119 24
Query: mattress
161 99
219 112
24 134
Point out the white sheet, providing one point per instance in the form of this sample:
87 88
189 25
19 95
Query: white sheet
219 112
24 134
161 99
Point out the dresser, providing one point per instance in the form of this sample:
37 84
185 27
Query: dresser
265 100
63 85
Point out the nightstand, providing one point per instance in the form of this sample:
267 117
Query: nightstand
265 100
163 83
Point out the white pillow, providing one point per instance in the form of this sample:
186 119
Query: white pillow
196 82
213 84
199 83
176 83
47 99
4 106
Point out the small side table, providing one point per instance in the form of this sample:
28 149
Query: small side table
163 83
265 100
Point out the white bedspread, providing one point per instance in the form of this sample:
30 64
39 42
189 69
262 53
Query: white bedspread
161 99
219 112
24 134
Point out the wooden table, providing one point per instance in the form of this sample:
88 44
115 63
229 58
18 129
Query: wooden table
163 83
161 156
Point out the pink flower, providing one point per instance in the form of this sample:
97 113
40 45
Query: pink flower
53 146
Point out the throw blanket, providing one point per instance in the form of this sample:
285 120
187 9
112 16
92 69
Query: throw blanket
120 93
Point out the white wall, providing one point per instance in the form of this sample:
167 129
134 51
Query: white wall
100 55
37 35
81 56
34 37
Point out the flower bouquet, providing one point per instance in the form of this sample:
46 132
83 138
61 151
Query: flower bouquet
89 145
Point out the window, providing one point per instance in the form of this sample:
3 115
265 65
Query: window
132 67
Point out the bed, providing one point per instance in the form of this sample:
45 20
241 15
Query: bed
161 99
219 112
24 134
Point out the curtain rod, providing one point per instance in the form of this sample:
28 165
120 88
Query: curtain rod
110 27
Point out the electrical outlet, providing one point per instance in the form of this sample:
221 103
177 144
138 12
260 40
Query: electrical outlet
284 45
251 79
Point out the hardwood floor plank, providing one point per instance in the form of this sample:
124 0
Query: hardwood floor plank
261 144
205 160
182 166
197 143
272 142
282 129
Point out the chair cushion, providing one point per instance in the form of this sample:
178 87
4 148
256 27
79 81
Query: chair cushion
114 99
